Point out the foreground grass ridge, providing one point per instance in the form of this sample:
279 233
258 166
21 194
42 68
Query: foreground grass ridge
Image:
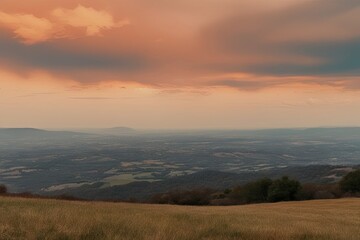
55 219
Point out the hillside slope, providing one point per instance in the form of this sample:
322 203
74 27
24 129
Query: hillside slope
54 219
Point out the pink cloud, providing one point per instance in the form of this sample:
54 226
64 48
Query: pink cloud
29 28
32 29
93 20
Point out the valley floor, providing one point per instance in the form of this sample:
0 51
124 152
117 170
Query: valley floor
55 219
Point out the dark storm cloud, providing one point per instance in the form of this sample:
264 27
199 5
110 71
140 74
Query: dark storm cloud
247 85
49 57
313 38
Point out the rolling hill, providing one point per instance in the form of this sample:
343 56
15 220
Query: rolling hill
34 133
55 219
115 131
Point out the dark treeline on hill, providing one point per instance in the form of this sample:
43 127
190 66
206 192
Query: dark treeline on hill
3 189
260 191
4 192
351 182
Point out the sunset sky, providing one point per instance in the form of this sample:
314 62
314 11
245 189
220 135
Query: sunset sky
179 63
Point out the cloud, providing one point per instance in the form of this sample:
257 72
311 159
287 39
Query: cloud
29 28
319 37
248 85
259 82
84 66
93 20
188 44
91 98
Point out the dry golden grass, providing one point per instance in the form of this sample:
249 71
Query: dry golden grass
54 219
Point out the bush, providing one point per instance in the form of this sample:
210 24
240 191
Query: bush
324 195
267 190
307 192
3 189
351 182
283 189
200 196
254 192
227 191
68 198
223 202
318 191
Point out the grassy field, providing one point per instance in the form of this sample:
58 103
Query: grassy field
54 219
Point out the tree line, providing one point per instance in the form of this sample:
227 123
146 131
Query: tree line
262 191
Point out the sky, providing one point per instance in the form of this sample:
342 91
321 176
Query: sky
179 64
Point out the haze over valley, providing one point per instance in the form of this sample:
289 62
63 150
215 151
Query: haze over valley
53 162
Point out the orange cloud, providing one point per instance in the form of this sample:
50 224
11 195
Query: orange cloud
32 29
188 43
29 28
93 20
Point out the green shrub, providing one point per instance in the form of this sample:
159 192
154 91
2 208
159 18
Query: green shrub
283 189
319 191
3 189
351 182
199 196
253 192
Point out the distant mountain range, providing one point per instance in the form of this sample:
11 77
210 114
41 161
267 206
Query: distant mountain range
16 133
340 132
109 131
343 132
21 133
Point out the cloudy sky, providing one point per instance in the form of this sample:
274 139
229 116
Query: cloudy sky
179 63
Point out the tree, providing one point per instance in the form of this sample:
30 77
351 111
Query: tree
283 189
253 192
351 182
3 189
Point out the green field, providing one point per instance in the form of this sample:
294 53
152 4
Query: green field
55 219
